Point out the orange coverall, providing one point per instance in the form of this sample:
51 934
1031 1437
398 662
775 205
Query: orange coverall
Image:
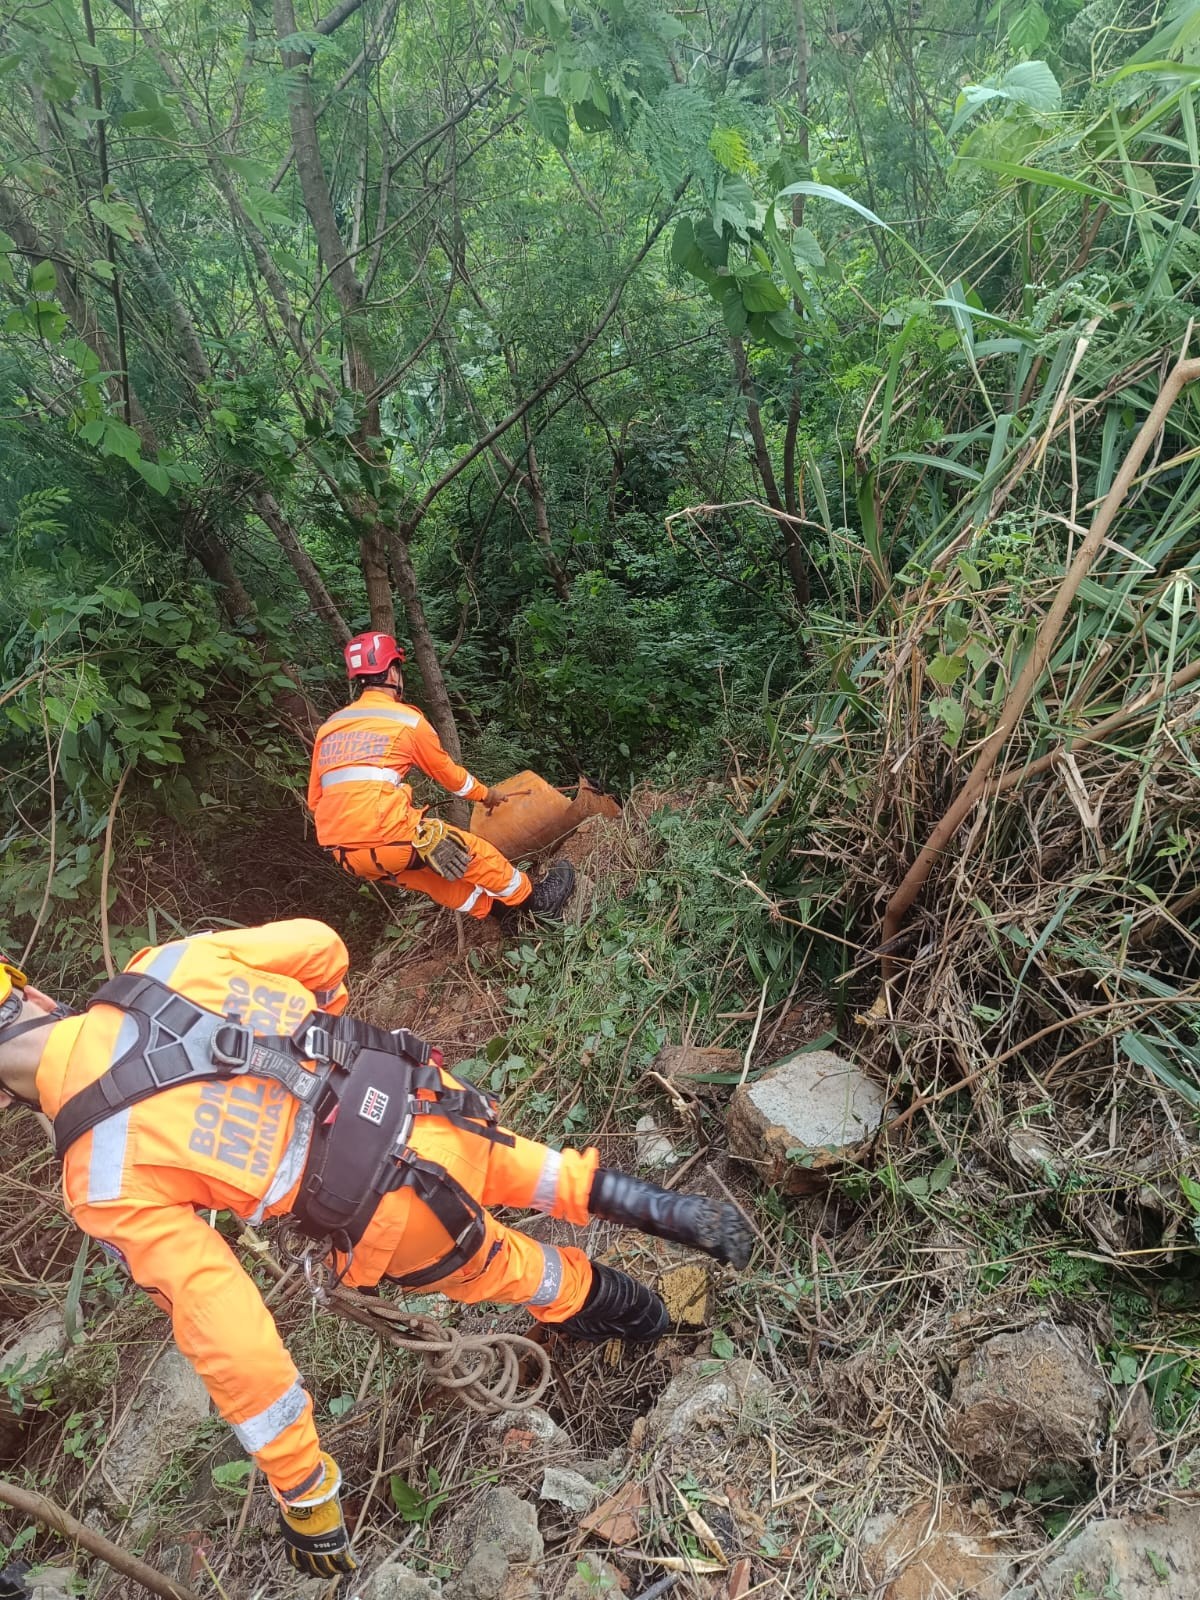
365 814
139 1180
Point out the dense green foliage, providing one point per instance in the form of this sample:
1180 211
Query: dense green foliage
678 374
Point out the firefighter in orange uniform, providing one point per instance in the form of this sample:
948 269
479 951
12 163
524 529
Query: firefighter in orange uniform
220 1072
364 810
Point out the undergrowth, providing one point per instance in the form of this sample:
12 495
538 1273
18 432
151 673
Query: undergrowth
860 1303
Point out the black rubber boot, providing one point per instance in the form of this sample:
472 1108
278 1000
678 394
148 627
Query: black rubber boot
617 1307
719 1229
550 894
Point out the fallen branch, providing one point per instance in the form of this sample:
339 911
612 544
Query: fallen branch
1183 373
53 1516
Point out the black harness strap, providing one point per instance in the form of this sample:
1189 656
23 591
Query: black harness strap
339 852
368 1088
177 1042
458 1212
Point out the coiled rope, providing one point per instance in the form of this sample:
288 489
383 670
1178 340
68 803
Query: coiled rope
482 1370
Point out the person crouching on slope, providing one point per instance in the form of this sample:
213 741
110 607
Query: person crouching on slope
364 810
220 1072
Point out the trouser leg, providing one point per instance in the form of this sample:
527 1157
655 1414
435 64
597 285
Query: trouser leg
489 876
510 1268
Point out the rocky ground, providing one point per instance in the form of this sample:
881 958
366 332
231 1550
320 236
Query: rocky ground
924 1388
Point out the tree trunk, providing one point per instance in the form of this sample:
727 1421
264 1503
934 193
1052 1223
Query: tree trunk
541 519
377 539
323 603
762 456
201 542
372 549
441 712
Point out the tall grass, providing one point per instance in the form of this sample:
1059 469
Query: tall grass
1058 927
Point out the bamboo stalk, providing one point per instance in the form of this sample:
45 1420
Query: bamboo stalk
901 902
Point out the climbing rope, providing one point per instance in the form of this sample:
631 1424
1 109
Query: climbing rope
482 1370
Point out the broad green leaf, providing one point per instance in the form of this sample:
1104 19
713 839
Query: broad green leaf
952 717
1029 29
1032 84
590 118
157 477
121 441
549 117
120 217
1029 83
946 670
762 293
734 206
102 269
232 1475
806 249
43 279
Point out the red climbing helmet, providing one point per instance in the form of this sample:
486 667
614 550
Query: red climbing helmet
369 653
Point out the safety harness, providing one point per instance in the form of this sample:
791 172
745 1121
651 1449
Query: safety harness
366 1088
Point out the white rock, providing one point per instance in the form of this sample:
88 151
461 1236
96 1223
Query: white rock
1139 1559
168 1408
810 1104
395 1581
697 1401
51 1583
654 1149
567 1488
535 1421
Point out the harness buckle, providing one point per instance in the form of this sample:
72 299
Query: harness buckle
232 1044
317 1045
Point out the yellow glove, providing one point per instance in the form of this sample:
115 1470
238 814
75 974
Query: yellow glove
314 1531
442 847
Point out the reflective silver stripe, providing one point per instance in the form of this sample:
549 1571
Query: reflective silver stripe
256 1433
403 714
110 1138
324 996
546 1193
107 1165
164 963
291 1163
361 775
513 884
466 787
552 1272
471 900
